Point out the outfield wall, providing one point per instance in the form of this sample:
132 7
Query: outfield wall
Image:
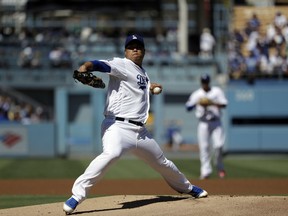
256 120
257 116
35 140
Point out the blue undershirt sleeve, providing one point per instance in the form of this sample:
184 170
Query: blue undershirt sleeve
189 108
100 66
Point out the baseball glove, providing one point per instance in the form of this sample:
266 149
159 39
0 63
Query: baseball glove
205 102
88 78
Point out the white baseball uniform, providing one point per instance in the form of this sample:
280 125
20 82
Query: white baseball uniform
128 99
209 127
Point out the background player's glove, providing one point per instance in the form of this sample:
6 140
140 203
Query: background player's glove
205 102
88 78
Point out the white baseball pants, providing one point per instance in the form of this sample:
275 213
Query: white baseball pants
118 138
210 131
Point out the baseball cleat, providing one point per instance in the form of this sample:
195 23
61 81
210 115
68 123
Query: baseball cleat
222 174
70 205
198 192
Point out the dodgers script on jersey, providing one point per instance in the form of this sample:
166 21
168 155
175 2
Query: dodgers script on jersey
215 94
128 90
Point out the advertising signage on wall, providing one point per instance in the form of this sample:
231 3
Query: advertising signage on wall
13 140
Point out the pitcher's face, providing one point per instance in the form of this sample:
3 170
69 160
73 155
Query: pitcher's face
135 52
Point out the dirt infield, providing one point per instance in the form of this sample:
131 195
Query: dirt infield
155 197
232 187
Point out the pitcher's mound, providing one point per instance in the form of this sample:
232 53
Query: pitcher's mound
139 205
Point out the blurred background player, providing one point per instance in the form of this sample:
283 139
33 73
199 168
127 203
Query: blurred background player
174 136
207 43
208 102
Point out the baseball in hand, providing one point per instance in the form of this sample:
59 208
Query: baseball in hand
157 90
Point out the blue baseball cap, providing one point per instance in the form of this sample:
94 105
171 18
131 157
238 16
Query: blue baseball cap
134 37
205 78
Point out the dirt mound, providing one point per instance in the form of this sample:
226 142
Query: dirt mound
226 197
131 205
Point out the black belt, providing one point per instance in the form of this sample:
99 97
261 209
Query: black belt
210 120
130 121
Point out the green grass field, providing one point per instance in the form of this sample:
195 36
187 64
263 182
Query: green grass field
264 166
236 166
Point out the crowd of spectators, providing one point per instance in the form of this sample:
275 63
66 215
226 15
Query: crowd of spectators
16 111
37 47
63 48
258 51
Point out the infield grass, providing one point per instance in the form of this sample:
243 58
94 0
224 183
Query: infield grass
237 167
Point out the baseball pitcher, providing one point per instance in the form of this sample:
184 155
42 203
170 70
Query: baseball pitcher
123 128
